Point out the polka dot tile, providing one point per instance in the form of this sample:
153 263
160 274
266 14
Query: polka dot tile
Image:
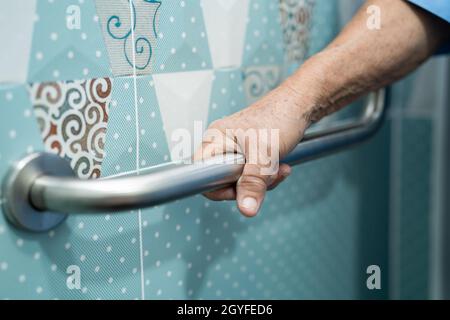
264 43
182 40
315 233
228 94
19 131
122 130
63 50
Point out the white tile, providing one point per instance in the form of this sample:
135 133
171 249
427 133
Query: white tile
16 31
183 99
226 24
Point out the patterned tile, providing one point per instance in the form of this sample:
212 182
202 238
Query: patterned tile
73 116
122 24
295 21
208 59
259 80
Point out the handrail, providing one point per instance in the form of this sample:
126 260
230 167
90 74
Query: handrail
40 190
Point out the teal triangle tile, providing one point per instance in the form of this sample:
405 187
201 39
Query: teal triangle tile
153 148
182 39
121 135
264 37
63 68
62 53
124 140
19 131
170 243
227 96
19 136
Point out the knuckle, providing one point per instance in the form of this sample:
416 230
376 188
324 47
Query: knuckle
252 182
211 196
272 179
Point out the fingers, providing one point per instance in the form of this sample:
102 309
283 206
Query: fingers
261 172
228 193
251 189
215 142
283 173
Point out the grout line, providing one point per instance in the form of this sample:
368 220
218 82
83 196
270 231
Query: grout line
127 173
136 112
131 172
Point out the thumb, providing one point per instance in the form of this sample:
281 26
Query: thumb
251 189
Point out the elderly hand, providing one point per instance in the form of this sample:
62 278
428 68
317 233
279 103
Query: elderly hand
359 60
264 132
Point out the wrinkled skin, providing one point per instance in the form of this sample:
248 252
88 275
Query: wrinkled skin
358 61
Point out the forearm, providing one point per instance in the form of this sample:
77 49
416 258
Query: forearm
360 60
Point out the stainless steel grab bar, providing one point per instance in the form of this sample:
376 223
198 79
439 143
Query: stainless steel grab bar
40 189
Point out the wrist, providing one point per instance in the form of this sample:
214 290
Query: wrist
323 84
307 90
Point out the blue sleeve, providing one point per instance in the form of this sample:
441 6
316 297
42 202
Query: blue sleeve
440 8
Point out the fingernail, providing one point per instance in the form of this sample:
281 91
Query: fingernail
250 204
